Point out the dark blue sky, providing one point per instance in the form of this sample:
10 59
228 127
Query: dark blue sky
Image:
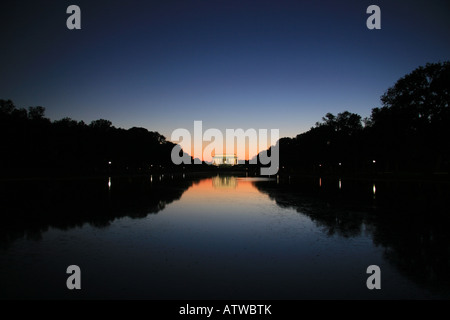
233 64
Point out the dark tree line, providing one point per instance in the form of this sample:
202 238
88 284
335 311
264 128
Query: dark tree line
32 144
408 134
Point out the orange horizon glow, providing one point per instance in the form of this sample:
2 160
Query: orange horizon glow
242 154
245 144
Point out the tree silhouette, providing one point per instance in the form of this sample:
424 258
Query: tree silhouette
101 124
412 125
33 145
6 106
36 113
408 134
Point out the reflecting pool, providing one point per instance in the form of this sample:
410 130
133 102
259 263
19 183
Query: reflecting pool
224 237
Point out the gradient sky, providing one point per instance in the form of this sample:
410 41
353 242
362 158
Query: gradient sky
232 64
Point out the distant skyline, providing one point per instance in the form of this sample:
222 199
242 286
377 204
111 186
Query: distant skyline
232 64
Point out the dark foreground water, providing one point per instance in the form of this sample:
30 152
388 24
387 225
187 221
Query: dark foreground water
224 237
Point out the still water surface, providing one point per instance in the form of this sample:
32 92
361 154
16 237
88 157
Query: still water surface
223 237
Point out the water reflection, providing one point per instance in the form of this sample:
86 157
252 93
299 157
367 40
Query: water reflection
224 182
227 233
409 220
29 208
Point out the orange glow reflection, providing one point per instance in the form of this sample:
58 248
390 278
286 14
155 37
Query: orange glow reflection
221 188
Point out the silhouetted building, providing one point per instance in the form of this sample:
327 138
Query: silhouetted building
229 159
